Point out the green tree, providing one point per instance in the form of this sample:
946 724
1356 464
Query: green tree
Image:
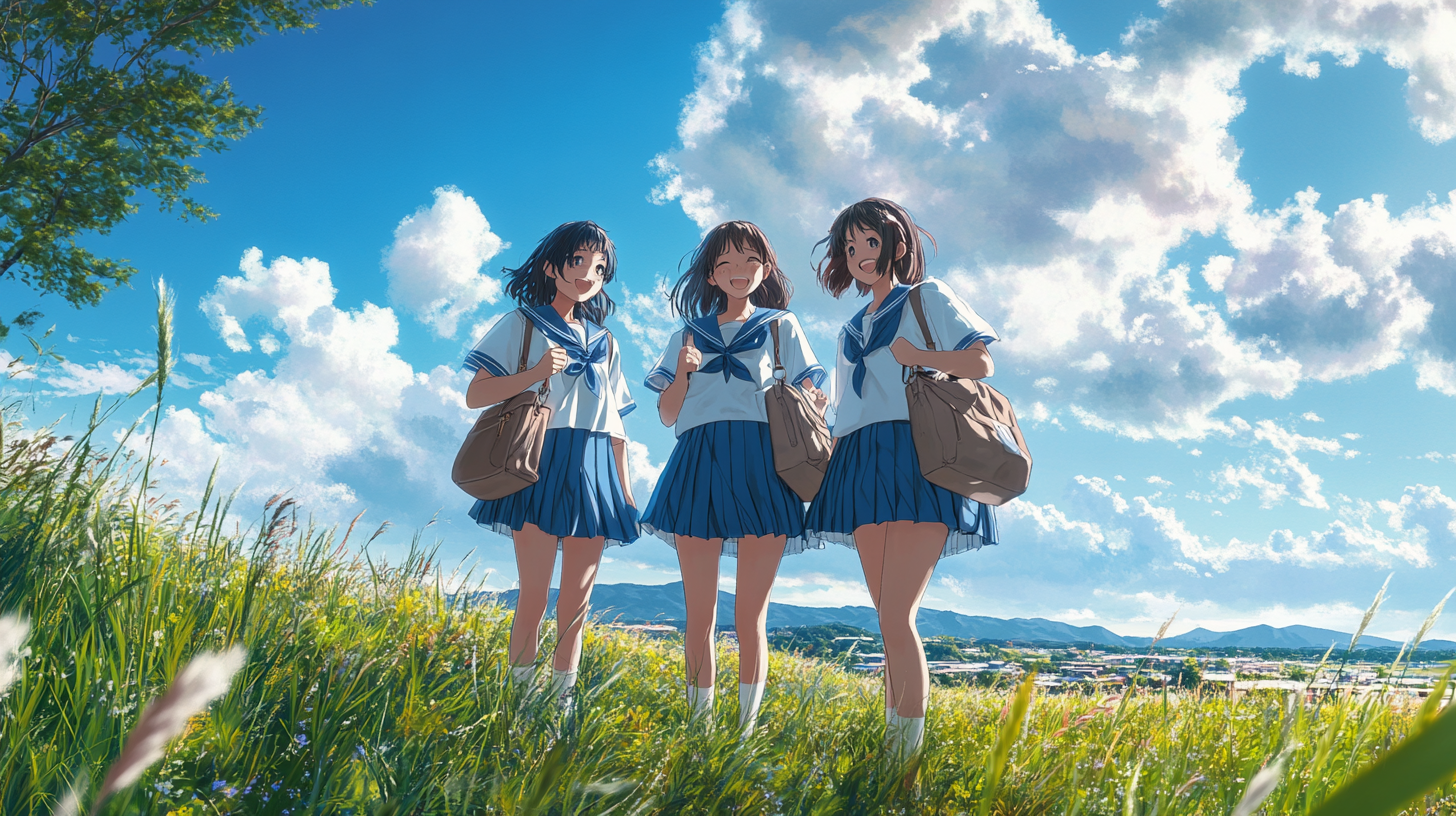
1189 674
103 102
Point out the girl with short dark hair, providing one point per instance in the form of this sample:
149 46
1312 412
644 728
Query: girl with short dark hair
583 500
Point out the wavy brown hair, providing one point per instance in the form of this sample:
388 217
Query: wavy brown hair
693 296
894 226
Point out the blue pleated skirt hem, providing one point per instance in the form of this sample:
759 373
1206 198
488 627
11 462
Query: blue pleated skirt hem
579 494
720 482
874 477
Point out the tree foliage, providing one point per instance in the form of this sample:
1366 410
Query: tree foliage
102 102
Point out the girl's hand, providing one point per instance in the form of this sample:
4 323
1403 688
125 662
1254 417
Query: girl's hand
907 353
552 362
817 398
688 358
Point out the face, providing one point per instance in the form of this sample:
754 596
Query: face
738 271
582 276
862 253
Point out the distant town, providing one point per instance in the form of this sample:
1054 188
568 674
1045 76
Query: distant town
1061 667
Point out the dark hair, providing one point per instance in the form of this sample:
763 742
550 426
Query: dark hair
693 296
528 283
895 228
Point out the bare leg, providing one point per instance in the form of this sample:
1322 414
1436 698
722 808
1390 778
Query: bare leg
869 542
580 558
917 547
758 563
698 560
535 561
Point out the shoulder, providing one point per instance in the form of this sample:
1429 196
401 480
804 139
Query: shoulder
941 294
788 321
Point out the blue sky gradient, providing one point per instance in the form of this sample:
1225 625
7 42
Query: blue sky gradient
1239 400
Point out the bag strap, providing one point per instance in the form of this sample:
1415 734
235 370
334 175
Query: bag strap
919 307
525 341
526 351
778 369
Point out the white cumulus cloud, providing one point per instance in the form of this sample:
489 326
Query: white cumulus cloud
339 412
435 260
1057 184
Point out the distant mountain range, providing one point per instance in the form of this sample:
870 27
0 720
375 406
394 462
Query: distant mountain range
637 603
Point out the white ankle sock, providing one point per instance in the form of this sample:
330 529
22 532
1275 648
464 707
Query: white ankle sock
563 687
750 697
523 674
904 737
563 682
701 701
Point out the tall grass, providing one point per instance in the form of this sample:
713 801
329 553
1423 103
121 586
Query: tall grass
369 689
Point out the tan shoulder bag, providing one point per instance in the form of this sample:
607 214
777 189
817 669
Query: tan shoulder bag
801 441
965 432
502 452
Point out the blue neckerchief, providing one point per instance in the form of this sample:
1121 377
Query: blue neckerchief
887 322
584 358
709 340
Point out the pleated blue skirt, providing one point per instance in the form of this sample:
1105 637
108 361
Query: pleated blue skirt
720 483
579 494
874 477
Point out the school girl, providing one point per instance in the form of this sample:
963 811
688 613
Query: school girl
874 498
718 493
583 500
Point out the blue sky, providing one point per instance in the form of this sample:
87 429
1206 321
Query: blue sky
1217 239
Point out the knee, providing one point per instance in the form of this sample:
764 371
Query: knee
897 625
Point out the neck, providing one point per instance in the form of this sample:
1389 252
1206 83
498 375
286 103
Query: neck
565 306
737 309
879 290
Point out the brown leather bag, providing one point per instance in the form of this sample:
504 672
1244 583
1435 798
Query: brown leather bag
965 432
502 453
801 441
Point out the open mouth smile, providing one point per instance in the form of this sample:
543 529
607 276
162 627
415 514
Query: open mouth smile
585 285
738 283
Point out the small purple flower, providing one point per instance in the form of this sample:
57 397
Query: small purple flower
221 783
301 739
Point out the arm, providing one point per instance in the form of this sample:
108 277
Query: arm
973 362
669 405
488 390
619 450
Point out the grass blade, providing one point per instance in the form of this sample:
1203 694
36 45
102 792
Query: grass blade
1413 767
1009 734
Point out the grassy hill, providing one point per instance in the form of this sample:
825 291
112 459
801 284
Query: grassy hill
367 689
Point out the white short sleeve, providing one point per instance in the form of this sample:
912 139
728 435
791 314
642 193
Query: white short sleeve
798 358
618 383
953 324
499 351
664 371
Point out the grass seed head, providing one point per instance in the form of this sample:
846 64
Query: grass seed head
201 681
13 631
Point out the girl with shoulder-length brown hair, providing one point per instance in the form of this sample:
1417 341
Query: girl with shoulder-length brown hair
874 498
719 494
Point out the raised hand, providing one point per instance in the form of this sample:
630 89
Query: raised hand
688 357
551 362
817 398
907 353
